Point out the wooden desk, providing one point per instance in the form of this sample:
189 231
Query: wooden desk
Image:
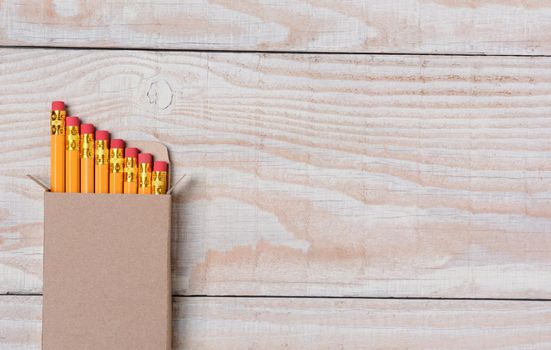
336 198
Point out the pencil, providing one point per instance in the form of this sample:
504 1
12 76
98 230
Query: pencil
131 170
101 175
57 147
145 161
87 158
72 155
116 166
159 177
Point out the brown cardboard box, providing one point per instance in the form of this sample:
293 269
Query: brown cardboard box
107 270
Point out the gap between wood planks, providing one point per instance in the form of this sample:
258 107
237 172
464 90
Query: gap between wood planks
213 296
271 52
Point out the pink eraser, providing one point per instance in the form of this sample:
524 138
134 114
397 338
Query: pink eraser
102 135
58 106
87 128
72 121
145 158
117 143
159 165
131 152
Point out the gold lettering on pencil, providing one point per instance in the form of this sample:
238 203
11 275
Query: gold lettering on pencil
73 139
144 179
101 152
57 122
130 169
116 160
87 146
159 182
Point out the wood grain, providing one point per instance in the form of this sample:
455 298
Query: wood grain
504 27
248 323
318 175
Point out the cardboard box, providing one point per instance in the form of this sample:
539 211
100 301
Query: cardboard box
107 269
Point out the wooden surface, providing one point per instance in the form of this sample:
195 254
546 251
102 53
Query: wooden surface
289 323
310 175
508 27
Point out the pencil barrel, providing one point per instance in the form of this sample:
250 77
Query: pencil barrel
101 179
87 175
101 175
87 172
130 175
144 180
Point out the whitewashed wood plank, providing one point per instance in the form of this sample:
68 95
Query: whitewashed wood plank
407 26
290 323
20 322
309 174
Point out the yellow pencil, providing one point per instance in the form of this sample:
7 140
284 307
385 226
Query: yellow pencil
160 177
116 166
57 147
145 161
72 155
131 170
101 173
87 158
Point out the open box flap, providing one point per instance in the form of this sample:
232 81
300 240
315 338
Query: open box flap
157 149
